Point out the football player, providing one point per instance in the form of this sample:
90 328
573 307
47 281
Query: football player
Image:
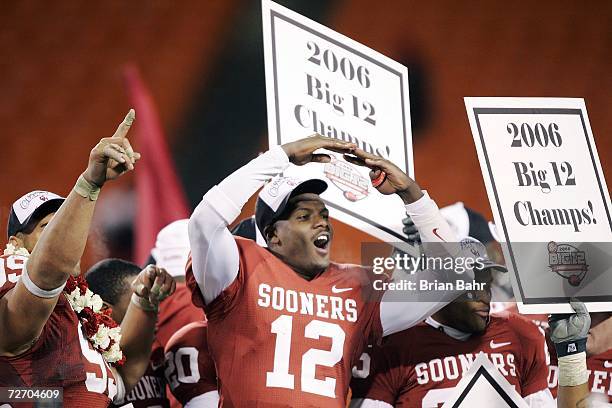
285 324
42 341
189 368
420 367
111 279
171 252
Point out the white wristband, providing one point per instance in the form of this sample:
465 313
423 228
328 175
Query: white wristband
573 370
35 290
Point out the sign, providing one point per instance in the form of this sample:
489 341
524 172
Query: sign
549 198
319 81
484 386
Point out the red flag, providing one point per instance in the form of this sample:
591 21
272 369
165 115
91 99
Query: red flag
160 196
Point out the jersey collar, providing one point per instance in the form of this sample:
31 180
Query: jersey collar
450 331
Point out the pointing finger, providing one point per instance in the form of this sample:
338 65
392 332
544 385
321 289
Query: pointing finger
124 126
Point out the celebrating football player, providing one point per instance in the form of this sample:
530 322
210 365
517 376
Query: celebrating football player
290 320
420 367
112 279
52 330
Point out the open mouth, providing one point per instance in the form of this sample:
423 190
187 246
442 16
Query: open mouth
322 241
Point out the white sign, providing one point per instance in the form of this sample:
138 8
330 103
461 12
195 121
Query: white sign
319 81
484 386
549 198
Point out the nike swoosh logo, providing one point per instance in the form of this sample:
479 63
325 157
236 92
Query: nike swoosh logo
435 232
607 364
154 366
340 290
494 345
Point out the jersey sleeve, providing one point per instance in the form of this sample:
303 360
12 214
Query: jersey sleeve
402 309
189 368
534 366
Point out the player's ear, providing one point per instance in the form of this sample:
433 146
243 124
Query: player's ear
16 240
271 236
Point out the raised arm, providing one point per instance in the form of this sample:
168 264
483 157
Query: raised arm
401 310
57 253
569 334
213 250
150 287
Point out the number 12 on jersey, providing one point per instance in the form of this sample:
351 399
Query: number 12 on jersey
280 377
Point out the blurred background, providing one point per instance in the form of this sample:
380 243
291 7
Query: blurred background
70 70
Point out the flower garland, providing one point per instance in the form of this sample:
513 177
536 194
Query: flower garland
101 330
13 250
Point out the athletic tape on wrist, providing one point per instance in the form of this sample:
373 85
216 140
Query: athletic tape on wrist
573 370
35 290
86 189
143 303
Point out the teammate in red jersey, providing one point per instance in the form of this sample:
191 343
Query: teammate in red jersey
285 324
420 367
111 279
41 339
190 370
171 252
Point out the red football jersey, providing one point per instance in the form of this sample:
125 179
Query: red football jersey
61 357
150 392
280 340
175 312
600 374
190 370
421 366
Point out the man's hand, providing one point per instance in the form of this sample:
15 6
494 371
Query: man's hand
302 151
152 285
386 177
112 156
569 331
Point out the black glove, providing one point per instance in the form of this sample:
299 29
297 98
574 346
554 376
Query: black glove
411 231
569 331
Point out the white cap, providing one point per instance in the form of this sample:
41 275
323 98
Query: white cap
479 251
275 195
24 208
172 248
